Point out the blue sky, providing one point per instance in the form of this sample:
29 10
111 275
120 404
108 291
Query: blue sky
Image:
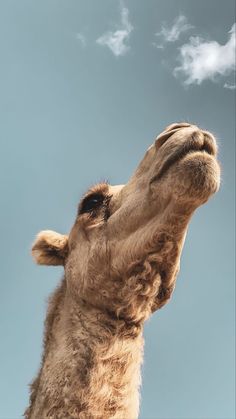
85 88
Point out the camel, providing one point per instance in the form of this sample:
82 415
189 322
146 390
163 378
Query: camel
121 259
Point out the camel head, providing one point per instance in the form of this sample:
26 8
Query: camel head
122 254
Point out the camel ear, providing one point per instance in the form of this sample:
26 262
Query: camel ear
50 248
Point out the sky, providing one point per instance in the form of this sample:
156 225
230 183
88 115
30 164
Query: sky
85 87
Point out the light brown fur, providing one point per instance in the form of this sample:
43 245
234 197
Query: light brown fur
121 262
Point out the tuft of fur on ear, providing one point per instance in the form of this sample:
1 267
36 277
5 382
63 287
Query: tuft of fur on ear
50 248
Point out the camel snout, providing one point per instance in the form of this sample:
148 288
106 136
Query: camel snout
201 139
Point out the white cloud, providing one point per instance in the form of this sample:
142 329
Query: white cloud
172 34
116 40
201 60
230 86
81 39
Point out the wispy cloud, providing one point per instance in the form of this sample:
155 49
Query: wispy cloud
230 86
201 60
117 39
172 33
81 38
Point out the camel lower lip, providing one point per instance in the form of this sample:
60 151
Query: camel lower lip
176 157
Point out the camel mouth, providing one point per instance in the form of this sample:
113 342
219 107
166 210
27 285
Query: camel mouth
208 147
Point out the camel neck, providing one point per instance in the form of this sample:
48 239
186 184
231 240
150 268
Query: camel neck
87 367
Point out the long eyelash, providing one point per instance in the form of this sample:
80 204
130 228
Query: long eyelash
103 206
99 188
87 199
106 207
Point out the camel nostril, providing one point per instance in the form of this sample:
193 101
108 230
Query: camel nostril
177 125
169 131
162 138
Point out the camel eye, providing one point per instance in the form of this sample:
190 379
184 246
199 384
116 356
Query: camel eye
91 203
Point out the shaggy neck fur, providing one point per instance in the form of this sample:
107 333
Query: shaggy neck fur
91 364
92 358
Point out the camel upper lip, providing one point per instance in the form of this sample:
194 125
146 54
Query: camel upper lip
190 147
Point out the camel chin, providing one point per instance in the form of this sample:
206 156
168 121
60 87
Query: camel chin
203 173
195 178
